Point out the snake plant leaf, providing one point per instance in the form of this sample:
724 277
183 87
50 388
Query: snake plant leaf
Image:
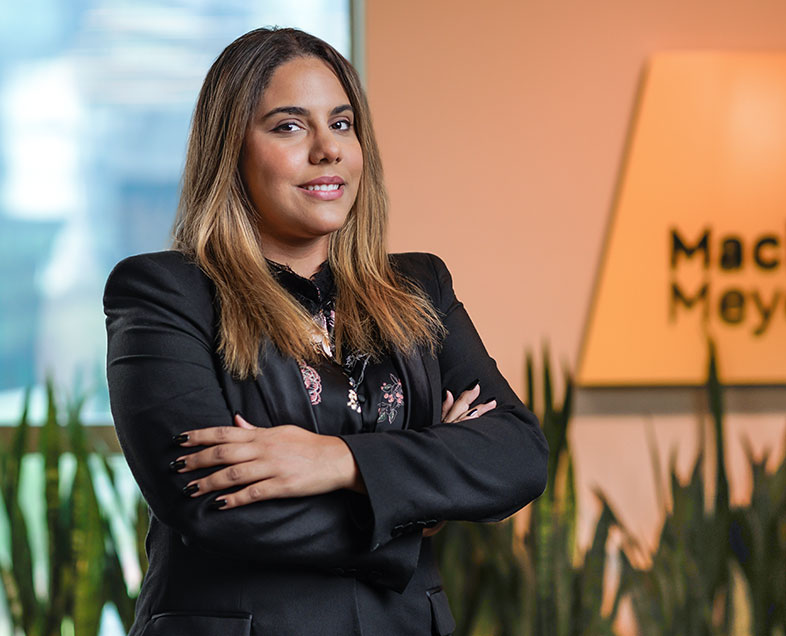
103 456
88 553
21 555
715 394
115 588
779 486
13 458
51 448
758 546
590 578
12 596
87 535
548 392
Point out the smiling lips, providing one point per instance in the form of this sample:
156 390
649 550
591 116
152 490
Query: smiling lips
324 188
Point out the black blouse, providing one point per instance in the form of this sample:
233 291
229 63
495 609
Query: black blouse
358 395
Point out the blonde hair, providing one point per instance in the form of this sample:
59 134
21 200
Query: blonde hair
377 310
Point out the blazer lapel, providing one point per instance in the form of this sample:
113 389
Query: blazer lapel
282 390
420 379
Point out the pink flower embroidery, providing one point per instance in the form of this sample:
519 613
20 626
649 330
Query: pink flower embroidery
392 400
313 383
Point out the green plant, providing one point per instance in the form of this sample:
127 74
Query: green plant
83 566
564 589
500 585
758 541
690 586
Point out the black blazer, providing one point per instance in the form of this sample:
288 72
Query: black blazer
339 563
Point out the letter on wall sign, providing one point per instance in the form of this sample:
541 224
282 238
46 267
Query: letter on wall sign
697 242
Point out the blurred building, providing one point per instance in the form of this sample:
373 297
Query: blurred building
95 102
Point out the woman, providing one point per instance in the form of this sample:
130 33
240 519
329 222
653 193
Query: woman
276 379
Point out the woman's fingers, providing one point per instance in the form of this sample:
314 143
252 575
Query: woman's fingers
232 476
218 455
216 435
462 404
462 408
446 404
283 461
477 411
225 445
242 423
258 491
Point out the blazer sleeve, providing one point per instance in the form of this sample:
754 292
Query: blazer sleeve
482 469
162 372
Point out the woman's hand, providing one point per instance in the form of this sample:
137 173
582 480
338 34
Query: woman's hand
277 462
456 411
461 408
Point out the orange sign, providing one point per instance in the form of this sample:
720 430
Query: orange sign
697 243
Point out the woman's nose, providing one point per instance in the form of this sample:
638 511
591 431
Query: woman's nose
325 148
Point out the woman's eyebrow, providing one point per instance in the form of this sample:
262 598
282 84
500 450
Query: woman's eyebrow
304 112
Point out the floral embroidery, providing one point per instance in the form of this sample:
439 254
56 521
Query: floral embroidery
392 400
313 383
350 363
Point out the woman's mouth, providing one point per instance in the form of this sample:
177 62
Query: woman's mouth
326 187
323 191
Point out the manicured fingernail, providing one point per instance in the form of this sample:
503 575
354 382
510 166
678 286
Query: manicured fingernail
177 464
472 413
491 399
179 439
444 394
216 504
190 489
472 385
238 413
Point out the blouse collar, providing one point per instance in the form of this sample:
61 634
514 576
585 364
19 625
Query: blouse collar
316 293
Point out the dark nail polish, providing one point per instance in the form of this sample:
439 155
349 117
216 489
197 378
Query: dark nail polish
179 439
238 413
472 385
444 394
472 412
491 399
217 504
177 464
190 489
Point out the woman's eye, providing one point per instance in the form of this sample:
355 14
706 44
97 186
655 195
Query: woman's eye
344 124
287 127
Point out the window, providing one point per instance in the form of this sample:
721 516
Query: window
95 102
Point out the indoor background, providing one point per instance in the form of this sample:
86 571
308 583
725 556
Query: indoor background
503 128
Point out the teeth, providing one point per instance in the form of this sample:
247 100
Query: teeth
324 187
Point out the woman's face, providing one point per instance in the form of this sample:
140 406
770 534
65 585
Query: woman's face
301 160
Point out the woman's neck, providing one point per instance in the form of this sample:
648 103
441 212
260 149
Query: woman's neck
304 261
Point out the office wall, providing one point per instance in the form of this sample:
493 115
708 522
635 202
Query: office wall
502 126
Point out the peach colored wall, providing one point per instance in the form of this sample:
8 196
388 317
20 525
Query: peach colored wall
502 126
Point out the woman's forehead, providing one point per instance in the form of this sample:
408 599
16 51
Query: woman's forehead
303 82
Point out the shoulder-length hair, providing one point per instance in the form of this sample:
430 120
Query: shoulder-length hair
377 310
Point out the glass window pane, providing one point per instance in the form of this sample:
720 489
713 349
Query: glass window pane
95 102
